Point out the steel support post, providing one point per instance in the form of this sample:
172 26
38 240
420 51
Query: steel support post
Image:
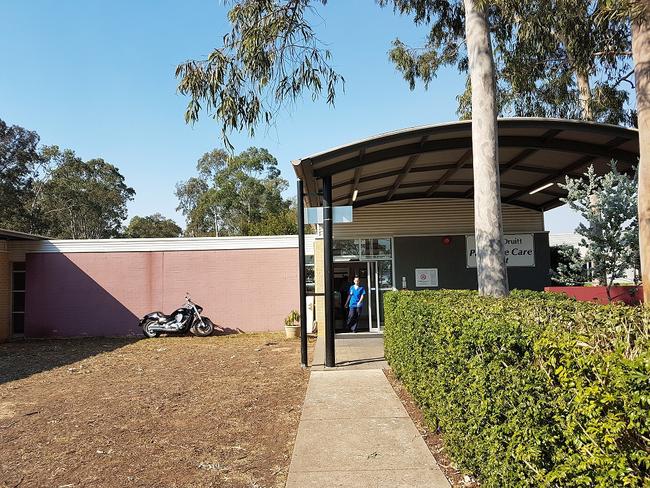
330 357
301 274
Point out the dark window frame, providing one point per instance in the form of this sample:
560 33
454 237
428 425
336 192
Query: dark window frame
18 268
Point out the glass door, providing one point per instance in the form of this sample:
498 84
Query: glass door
380 280
374 310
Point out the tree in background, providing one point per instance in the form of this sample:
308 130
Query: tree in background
554 58
81 199
271 57
20 160
564 59
152 226
568 267
608 204
236 195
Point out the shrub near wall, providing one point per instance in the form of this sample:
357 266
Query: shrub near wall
533 390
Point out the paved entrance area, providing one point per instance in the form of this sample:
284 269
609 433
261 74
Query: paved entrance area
354 431
353 351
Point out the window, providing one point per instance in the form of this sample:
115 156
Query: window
345 248
362 249
18 297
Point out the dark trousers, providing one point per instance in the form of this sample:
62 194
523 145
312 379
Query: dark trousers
353 318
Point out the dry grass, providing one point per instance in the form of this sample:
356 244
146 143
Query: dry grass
172 412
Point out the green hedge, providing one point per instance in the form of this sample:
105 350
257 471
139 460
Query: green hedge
532 390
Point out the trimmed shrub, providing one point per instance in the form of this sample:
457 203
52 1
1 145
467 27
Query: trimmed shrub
536 389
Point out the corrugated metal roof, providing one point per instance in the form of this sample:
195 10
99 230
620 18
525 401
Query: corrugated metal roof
430 217
434 161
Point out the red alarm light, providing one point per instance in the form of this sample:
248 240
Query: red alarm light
446 240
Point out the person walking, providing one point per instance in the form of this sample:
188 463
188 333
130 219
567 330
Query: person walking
356 294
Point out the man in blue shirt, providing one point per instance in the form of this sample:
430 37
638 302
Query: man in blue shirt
355 298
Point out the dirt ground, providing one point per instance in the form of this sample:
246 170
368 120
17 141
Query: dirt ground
166 412
434 440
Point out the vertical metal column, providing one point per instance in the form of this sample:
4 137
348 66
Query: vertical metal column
330 360
301 274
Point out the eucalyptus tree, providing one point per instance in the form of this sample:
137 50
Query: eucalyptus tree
554 58
563 58
236 195
271 57
151 226
81 199
20 160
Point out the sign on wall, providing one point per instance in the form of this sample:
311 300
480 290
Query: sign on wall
426 277
519 249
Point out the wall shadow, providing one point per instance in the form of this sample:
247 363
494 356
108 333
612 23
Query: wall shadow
62 300
20 359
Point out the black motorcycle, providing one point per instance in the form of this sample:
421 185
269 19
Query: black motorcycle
187 318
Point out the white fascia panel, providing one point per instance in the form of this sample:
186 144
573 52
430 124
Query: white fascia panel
156 245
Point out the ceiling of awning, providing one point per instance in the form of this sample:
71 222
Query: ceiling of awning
436 162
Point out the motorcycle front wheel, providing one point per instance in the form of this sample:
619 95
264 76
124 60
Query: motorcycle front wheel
203 331
146 330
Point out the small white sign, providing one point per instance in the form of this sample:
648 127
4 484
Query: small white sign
426 277
519 249
340 215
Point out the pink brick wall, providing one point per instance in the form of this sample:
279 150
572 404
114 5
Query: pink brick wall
105 294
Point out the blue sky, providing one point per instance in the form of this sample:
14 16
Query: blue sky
98 77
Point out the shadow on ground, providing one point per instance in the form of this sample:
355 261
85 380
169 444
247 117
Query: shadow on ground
24 358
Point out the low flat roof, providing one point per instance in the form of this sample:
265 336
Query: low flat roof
12 235
435 161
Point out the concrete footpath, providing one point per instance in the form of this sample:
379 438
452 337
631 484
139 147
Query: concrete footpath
355 432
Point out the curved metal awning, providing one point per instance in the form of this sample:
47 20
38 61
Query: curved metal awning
435 161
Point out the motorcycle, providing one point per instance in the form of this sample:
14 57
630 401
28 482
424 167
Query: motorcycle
184 319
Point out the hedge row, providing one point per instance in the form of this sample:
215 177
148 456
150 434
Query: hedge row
532 390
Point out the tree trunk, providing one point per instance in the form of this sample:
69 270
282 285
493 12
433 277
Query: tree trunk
582 79
490 256
584 95
641 54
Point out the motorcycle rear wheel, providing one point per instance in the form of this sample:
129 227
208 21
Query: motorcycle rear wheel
149 334
199 331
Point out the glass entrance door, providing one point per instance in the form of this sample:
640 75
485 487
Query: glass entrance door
374 312
380 280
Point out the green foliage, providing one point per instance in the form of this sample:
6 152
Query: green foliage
293 318
624 9
445 44
609 205
270 56
531 390
544 51
81 199
20 160
47 191
562 58
568 267
236 195
151 226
